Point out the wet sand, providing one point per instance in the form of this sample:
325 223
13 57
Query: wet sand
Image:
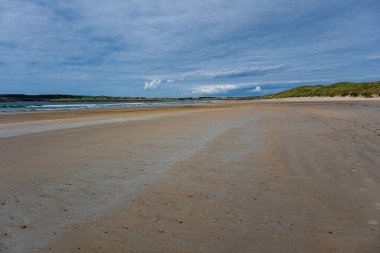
298 176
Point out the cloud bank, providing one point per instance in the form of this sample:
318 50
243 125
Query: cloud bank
222 88
214 89
113 47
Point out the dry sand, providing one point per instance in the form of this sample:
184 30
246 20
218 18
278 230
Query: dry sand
251 177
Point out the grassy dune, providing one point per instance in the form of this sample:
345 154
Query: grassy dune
368 89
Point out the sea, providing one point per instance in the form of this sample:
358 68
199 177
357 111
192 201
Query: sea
60 106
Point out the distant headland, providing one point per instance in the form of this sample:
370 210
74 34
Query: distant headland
342 89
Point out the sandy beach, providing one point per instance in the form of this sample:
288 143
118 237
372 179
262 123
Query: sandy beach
271 176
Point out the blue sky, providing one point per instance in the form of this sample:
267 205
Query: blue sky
196 48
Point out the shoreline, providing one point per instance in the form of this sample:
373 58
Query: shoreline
223 102
19 123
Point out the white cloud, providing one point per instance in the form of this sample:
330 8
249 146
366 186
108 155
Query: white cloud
214 89
152 84
257 89
232 72
373 57
223 88
243 72
170 81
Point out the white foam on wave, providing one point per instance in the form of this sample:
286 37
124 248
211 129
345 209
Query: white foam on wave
19 107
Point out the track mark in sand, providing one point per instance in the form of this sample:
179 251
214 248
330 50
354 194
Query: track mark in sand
17 129
373 222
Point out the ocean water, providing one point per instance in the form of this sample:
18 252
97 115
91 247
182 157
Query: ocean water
59 106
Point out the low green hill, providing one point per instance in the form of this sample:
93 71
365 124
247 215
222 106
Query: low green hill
368 89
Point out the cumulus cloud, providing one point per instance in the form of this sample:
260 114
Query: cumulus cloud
257 89
154 84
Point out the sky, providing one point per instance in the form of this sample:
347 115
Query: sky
191 48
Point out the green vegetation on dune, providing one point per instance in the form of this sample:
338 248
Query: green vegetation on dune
368 89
